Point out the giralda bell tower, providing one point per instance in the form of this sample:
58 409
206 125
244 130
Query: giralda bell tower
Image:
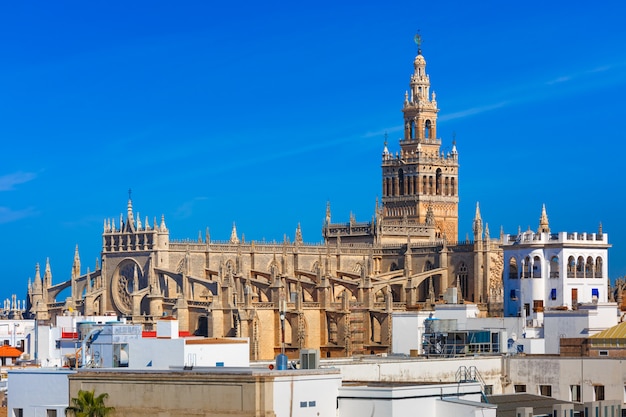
420 183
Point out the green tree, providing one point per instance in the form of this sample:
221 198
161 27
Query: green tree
86 404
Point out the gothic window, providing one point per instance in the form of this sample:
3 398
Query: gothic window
401 182
446 186
554 267
393 267
332 331
452 186
412 129
230 268
513 268
424 185
127 279
598 267
375 330
274 269
464 280
428 129
428 266
430 185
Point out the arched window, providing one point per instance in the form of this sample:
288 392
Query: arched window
428 129
424 185
375 329
537 267
571 267
438 185
513 273
464 280
430 185
589 267
452 186
412 129
428 266
526 267
580 268
332 330
401 182
554 267
446 186
599 265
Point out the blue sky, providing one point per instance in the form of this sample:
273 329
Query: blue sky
259 113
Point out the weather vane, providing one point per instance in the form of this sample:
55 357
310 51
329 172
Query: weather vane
418 41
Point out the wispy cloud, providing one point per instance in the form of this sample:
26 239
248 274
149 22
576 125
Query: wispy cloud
474 111
9 181
381 133
186 209
576 75
538 90
561 79
8 215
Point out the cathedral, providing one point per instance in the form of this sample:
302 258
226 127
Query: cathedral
337 296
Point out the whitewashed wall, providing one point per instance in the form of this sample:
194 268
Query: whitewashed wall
38 390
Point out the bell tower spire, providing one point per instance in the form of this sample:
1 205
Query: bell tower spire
544 225
421 177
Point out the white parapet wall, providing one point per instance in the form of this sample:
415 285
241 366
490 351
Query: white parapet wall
417 370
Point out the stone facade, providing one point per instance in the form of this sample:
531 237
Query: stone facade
337 296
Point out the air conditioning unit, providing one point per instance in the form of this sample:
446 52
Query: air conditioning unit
309 358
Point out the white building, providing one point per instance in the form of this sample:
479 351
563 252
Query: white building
14 332
587 320
168 350
544 271
391 400
52 345
35 392
409 328
407 331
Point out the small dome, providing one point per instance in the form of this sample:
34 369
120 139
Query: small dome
419 61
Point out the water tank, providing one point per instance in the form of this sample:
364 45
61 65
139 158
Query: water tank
281 362
83 328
